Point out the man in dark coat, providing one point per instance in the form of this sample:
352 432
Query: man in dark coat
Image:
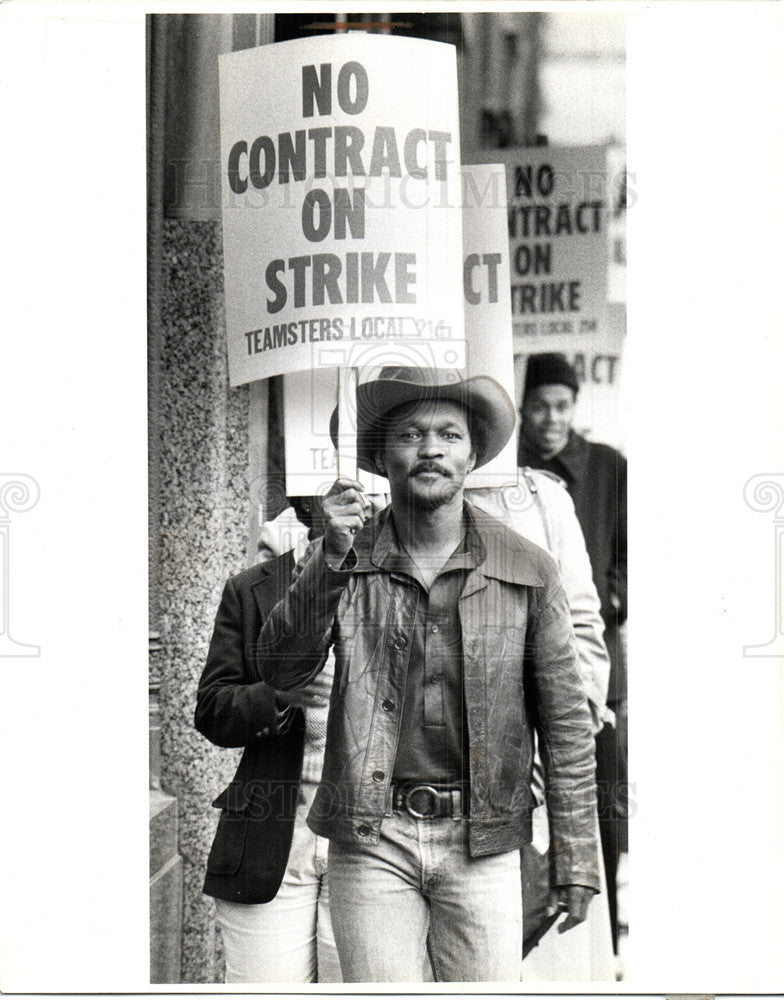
265 868
231 712
595 475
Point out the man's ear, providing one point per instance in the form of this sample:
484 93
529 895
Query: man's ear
380 463
471 462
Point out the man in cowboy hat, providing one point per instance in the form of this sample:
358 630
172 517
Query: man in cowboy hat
452 642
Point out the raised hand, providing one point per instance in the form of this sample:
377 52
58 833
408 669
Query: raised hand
345 512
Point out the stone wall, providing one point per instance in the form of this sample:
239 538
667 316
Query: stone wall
203 524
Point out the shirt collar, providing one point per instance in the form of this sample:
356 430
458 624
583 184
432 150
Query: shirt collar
489 548
378 546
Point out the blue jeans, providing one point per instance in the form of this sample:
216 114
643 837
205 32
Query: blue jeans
418 889
289 939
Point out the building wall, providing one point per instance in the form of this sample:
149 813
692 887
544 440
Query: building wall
583 78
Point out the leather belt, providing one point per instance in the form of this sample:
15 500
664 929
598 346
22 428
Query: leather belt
430 801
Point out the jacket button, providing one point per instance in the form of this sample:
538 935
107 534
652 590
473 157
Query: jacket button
363 830
400 642
378 776
263 732
387 705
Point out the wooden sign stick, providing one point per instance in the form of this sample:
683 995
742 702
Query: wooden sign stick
347 423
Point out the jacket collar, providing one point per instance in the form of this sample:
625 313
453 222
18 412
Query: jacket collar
502 553
574 456
570 463
284 563
272 578
508 556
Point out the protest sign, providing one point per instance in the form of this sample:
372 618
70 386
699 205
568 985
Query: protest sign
560 205
557 238
341 216
311 459
488 315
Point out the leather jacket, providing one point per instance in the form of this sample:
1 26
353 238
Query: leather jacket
540 509
519 674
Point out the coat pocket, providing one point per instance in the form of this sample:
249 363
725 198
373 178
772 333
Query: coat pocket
228 846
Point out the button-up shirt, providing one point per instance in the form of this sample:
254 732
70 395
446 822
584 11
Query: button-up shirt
433 729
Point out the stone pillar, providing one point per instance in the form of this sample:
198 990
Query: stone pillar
203 525
166 870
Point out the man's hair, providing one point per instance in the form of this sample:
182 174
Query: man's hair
307 510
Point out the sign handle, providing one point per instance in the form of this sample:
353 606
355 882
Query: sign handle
347 423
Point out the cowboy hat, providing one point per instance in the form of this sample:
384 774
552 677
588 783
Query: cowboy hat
487 404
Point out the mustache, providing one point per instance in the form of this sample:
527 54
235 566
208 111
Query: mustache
426 466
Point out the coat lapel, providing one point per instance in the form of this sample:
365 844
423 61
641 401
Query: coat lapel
274 580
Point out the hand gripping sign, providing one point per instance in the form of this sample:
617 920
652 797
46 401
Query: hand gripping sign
341 212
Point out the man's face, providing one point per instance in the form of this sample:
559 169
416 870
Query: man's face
427 453
548 414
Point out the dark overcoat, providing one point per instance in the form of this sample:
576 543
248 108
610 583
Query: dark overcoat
253 839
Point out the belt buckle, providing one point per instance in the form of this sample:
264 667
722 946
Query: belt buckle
415 812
